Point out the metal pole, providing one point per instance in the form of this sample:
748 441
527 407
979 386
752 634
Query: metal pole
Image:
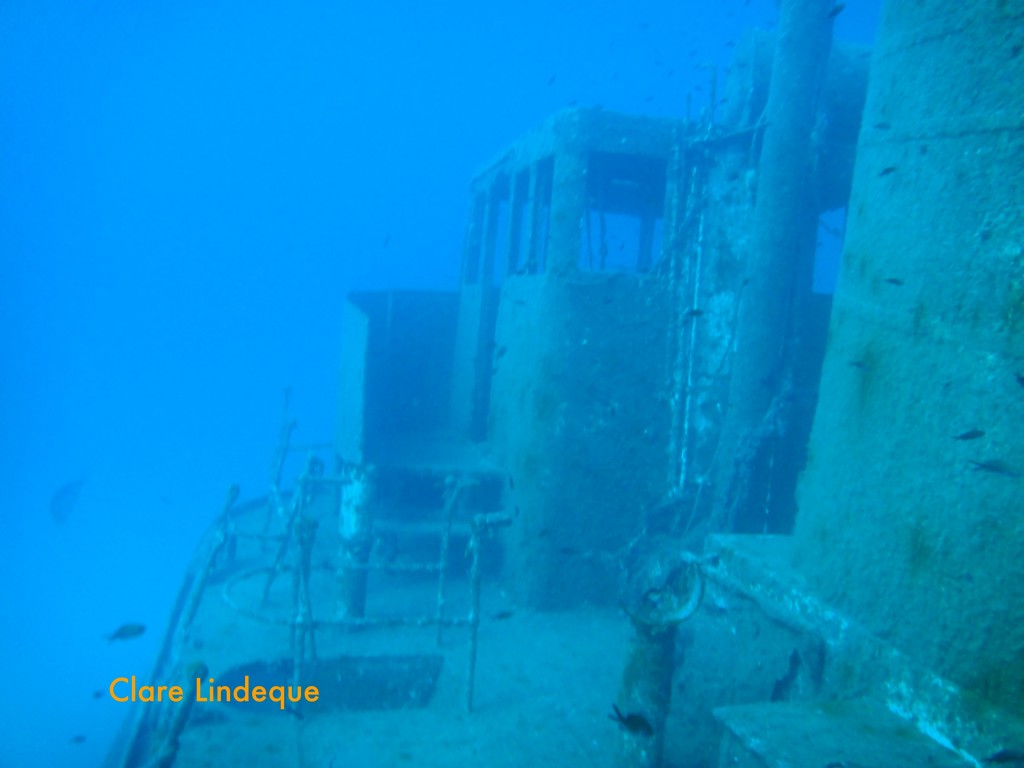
300 500
785 221
284 440
303 627
474 611
169 749
453 490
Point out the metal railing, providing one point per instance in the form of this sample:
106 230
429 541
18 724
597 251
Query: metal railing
155 732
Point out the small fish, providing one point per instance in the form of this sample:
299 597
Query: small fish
883 126
500 352
634 722
78 738
887 170
996 467
970 434
893 281
859 364
692 313
127 632
836 10
511 483
62 503
97 694
1020 379
1005 757
502 615
551 80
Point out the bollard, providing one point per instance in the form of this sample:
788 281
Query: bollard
666 592
356 528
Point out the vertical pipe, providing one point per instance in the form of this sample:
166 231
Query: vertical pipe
691 345
307 536
674 246
474 612
298 499
274 505
785 218
453 489
356 539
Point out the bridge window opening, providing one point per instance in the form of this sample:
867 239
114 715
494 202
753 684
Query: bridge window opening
497 235
623 224
540 216
829 249
518 234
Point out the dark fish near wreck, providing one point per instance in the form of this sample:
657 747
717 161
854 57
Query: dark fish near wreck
996 467
127 632
62 503
1006 757
634 722
970 434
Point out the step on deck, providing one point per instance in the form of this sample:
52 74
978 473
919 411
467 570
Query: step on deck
826 734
